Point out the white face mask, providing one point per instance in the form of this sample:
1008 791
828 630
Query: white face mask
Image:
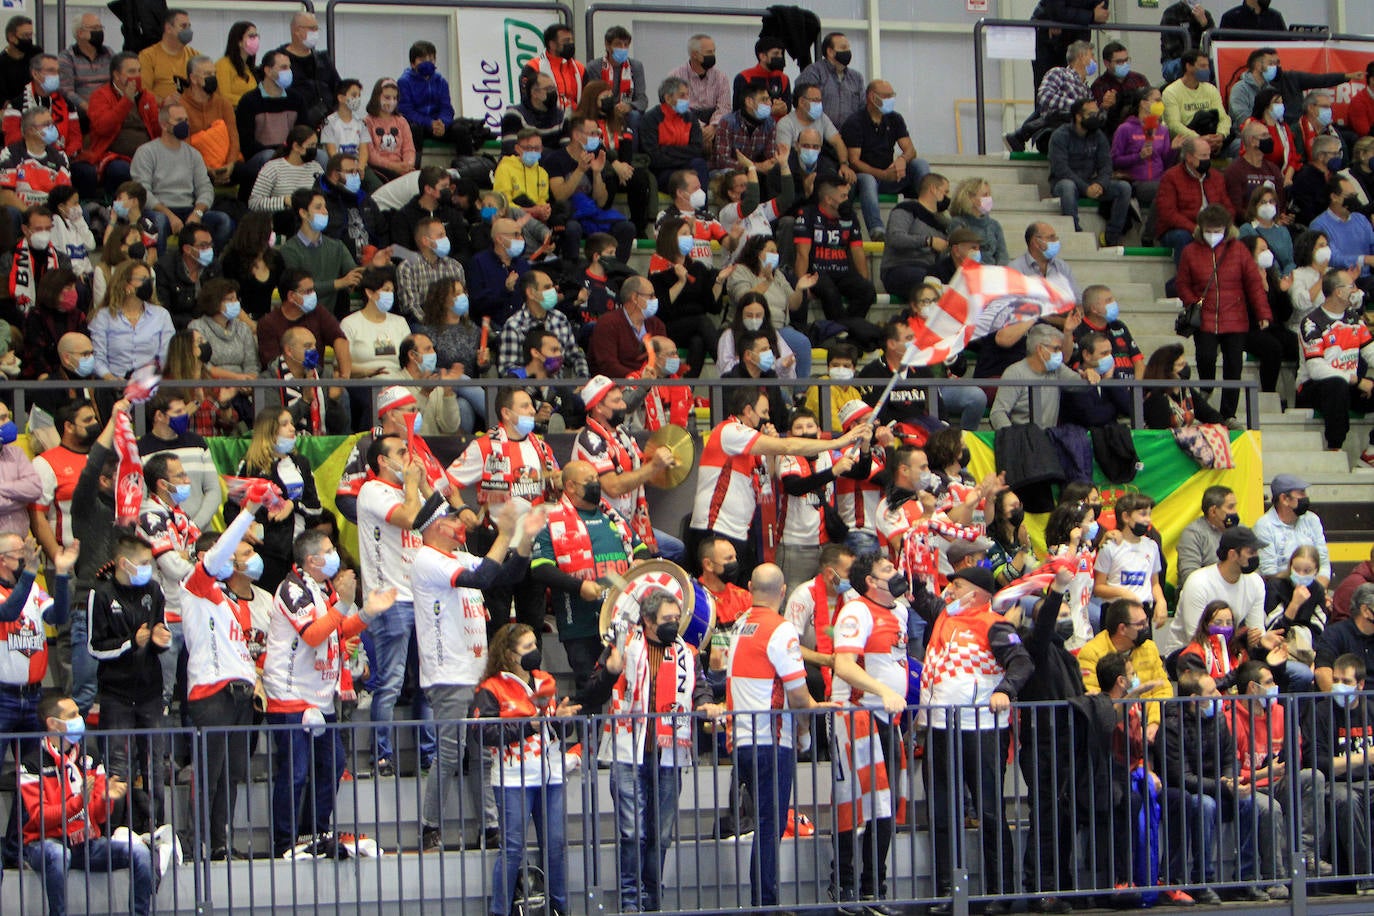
753 324
1265 259
842 373
1214 238
1321 256
1267 211
697 200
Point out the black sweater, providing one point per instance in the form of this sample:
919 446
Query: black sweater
116 613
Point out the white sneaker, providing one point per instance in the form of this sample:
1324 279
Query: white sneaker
167 847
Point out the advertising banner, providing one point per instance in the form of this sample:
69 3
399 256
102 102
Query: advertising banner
492 47
1307 56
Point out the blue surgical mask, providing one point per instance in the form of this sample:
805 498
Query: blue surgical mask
85 366
180 493
429 362
231 309
1122 71
353 182
253 568
620 55
284 79
49 135
524 425
331 564
205 256
75 729
318 221
1112 311
442 246
141 575
1208 709
842 586
682 106
180 425
770 260
385 300
593 143
1343 694
1052 250
1055 361
1279 110
671 365
488 214
1304 581
548 298
1203 76
1135 682
311 359
309 301
1271 72
1091 68
426 69
529 158
809 157
515 248
815 109
8 432
976 256
685 244
417 422
651 308
1324 117
1090 533
763 111
121 209
766 361
1106 364
887 106
286 445
461 304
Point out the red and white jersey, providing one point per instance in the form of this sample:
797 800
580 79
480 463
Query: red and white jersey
857 500
173 536
895 524
385 551
215 624
23 644
1332 347
763 664
877 635
296 674
611 451
58 470
450 621
501 467
725 498
804 516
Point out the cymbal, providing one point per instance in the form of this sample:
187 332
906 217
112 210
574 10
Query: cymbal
678 441
620 608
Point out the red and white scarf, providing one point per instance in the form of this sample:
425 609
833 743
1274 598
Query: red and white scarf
129 483
862 785
627 458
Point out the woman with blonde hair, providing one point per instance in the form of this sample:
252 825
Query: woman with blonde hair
128 330
971 209
1295 598
118 248
212 410
272 455
458 344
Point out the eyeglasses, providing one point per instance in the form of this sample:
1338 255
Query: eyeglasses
926 301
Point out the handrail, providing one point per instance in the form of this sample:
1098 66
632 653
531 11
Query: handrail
980 88
62 15
657 9
564 11
1258 37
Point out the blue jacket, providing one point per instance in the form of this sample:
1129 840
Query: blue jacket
423 100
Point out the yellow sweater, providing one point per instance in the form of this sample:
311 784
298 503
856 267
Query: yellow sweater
159 68
513 178
232 86
1148 666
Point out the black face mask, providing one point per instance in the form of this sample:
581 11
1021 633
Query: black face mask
1351 203
137 251
844 57
531 660
1143 633
1063 627
1203 167
1263 5
1015 517
665 634
25 45
730 572
205 353
1266 145
616 418
88 434
1250 565
607 107
98 38
943 205
897 585
144 290
965 457
1304 504
776 64
1140 529
211 84
568 50
591 493
708 62
1232 520
1185 373
1094 122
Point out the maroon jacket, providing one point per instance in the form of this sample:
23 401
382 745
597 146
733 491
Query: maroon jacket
615 350
1340 599
1227 281
1180 198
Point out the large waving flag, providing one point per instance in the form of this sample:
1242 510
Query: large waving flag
982 299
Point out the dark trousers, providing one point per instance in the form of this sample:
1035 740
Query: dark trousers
637 200
1268 349
980 756
766 772
845 299
698 334
1335 398
583 653
1232 349
226 753
18 714
307 776
1046 765
131 756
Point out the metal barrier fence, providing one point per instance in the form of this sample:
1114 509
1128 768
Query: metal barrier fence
717 389
1059 800
62 21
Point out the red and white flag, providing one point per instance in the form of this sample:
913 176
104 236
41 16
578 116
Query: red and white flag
1033 584
979 300
129 483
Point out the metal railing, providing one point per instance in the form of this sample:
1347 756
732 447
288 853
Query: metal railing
593 42
717 387
565 13
1114 801
307 5
980 46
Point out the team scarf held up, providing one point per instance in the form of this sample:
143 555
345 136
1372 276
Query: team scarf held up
949 326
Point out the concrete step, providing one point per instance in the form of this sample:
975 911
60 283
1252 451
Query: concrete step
1305 462
1298 441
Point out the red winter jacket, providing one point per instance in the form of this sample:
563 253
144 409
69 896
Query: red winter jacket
1180 198
50 784
1227 281
108 109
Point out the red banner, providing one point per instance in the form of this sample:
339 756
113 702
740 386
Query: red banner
1307 56
129 484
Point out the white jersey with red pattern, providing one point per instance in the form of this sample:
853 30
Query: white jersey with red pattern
501 467
296 674
877 635
726 496
961 669
803 517
450 620
215 625
23 644
1334 347
764 662
857 500
58 470
385 550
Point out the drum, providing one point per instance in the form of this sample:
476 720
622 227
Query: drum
620 610
695 628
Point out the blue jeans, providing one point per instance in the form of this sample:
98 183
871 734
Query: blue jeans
1194 840
515 806
868 188
1177 239
670 548
168 660
18 714
476 400
1116 193
52 859
84 664
645 797
766 771
306 779
965 404
219 224
392 637
801 348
